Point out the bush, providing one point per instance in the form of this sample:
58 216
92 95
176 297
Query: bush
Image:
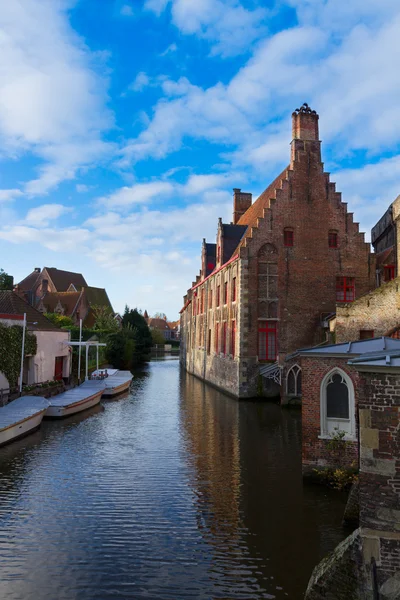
59 320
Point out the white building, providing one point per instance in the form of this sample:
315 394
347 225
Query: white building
53 356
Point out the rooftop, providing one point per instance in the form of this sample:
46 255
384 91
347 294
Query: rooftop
370 346
12 304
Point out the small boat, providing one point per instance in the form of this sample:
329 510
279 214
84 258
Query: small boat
116 381
73 401
21 417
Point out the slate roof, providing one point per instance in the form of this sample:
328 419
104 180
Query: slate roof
232 234
378 360
63 279
373 345
12 304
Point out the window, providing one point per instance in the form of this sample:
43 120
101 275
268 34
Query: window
337 404
234 289
388 272
333 239
209 342
288 237
345 289
210 298
293 381
218 295
233 338
366 334
224 337
267 340
217 338
202 301
226 292
194 304
210 267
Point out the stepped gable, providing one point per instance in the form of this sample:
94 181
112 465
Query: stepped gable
256 210
12 304
67 300
63 279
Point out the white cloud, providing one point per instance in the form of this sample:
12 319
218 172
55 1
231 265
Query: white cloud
9 195
141 81
82 187
58 240
127 10
226 24
43 60
139 193
42 215
169 49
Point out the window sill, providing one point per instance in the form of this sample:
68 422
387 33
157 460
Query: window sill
347 438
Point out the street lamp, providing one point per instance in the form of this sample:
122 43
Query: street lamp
23 351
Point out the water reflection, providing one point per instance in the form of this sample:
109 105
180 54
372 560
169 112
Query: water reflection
175 491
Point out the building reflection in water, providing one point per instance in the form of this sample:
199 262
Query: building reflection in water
253 509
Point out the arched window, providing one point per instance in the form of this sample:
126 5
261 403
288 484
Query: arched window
293 381
337 404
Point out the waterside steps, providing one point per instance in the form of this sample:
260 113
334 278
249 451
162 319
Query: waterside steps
21 417
73 401
116 381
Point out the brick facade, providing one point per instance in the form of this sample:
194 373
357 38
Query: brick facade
314 449
377 313
284 266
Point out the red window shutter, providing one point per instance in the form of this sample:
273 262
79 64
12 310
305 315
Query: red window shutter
226 292
234 289
224 337
217 338
333 239
233 338
388 272
288 237
218 294
267 340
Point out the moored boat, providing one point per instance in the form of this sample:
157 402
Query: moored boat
77 399
116 381
21 417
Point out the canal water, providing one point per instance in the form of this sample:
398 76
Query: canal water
174 491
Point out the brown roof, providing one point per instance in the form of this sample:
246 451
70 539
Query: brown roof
386 257
173 324
12 304
27 284
158 324
256 210
68 301
63 279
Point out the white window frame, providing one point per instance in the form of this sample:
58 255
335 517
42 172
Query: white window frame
296 375
351 421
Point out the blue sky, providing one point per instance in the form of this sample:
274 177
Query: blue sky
125 124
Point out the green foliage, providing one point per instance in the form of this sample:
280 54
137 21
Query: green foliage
121 349
104 318
157 337
10 351
6 281
59 320
136 323
87 334
338 475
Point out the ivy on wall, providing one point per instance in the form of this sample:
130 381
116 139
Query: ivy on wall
10 351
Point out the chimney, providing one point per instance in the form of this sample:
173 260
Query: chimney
305 124
241 202
37 269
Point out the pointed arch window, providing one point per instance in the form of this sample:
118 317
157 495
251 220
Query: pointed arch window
293 381
337 404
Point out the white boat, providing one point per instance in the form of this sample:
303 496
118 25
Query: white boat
73 401
116 381
20 417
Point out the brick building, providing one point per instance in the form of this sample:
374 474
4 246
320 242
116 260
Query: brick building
274 272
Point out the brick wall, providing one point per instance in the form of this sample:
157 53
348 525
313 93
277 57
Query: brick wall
379 405
314 449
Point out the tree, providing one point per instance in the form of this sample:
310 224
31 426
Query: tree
104 318
6 281
59 320
157 337
160 315
136 323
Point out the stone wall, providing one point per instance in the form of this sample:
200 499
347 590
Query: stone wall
314 449
378 311
379 406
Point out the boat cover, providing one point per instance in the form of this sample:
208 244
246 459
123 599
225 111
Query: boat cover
21 409
77 394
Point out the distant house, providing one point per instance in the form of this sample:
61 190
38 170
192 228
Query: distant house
162 326
175 327
52 358
63 292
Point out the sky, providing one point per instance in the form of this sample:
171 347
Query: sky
125 125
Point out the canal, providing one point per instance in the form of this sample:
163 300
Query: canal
175 491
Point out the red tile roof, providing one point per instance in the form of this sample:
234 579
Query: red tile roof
63 279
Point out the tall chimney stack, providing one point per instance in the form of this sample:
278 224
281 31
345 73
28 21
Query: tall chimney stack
241 202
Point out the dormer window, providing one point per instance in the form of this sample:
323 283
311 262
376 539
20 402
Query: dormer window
288 237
